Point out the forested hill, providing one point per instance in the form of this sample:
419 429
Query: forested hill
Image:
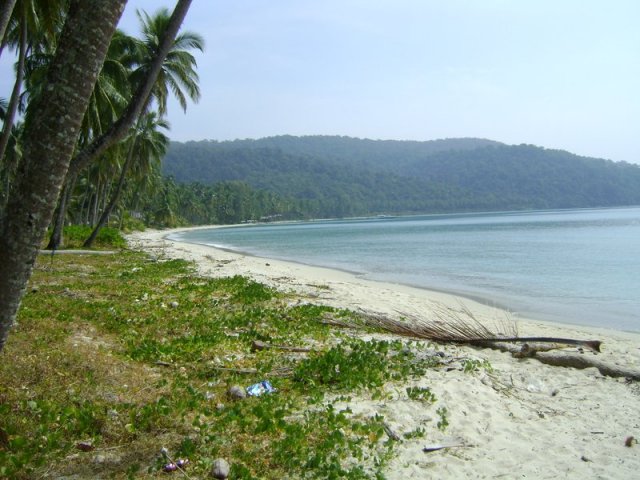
342 176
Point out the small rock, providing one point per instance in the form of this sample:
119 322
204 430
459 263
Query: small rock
629 441
236 392
220 469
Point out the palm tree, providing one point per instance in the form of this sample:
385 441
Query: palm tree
33 26
109 98
6 9
146 143
120 128
50 134
177 73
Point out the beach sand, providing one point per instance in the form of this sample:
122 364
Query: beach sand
520 419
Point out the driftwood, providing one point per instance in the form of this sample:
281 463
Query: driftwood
543 354
438 446
580 361
481 342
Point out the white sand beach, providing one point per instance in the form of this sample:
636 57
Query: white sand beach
522 419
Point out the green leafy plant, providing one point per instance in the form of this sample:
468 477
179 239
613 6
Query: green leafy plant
423 394
443 423
472 365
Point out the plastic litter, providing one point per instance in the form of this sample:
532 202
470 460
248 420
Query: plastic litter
260 388
173 466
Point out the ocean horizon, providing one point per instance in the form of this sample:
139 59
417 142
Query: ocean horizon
566 266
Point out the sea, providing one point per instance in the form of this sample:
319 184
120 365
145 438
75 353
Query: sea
566 266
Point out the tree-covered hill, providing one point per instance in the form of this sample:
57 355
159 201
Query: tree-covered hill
342 176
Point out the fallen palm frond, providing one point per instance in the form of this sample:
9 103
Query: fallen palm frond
460 326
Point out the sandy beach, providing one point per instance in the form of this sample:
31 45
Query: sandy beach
519 419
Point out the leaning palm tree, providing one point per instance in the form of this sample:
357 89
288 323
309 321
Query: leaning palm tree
177 74
178 71
50 133
120 128
109 98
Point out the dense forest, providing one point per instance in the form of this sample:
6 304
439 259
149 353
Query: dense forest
326 176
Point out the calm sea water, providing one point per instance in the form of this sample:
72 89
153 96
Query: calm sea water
569 266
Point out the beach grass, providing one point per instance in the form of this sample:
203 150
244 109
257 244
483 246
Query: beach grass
121 364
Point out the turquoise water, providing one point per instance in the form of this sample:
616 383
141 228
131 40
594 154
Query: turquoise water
568 266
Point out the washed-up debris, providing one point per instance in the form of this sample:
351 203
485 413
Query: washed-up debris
438 446
178 464
260 388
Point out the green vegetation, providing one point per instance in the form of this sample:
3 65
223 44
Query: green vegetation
116 164
109 237
118 356
317 176
473 365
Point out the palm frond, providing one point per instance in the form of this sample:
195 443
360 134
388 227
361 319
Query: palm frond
461 326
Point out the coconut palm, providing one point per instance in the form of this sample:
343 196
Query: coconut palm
33 27
148 145
138 103
177 75
109 98
49 139
178 71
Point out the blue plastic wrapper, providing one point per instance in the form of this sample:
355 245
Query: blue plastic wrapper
260 388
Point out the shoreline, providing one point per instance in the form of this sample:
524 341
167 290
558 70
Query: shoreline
485 306
519 418
549 293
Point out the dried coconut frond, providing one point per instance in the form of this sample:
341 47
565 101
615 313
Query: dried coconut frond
445 325
459 326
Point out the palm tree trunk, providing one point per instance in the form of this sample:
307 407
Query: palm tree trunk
114 198
56 240
5 15
49 139
15 93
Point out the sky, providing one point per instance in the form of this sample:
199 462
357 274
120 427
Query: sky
555 73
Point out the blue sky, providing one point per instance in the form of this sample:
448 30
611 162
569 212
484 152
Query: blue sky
559 74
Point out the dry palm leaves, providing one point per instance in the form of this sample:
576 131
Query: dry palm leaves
462 326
